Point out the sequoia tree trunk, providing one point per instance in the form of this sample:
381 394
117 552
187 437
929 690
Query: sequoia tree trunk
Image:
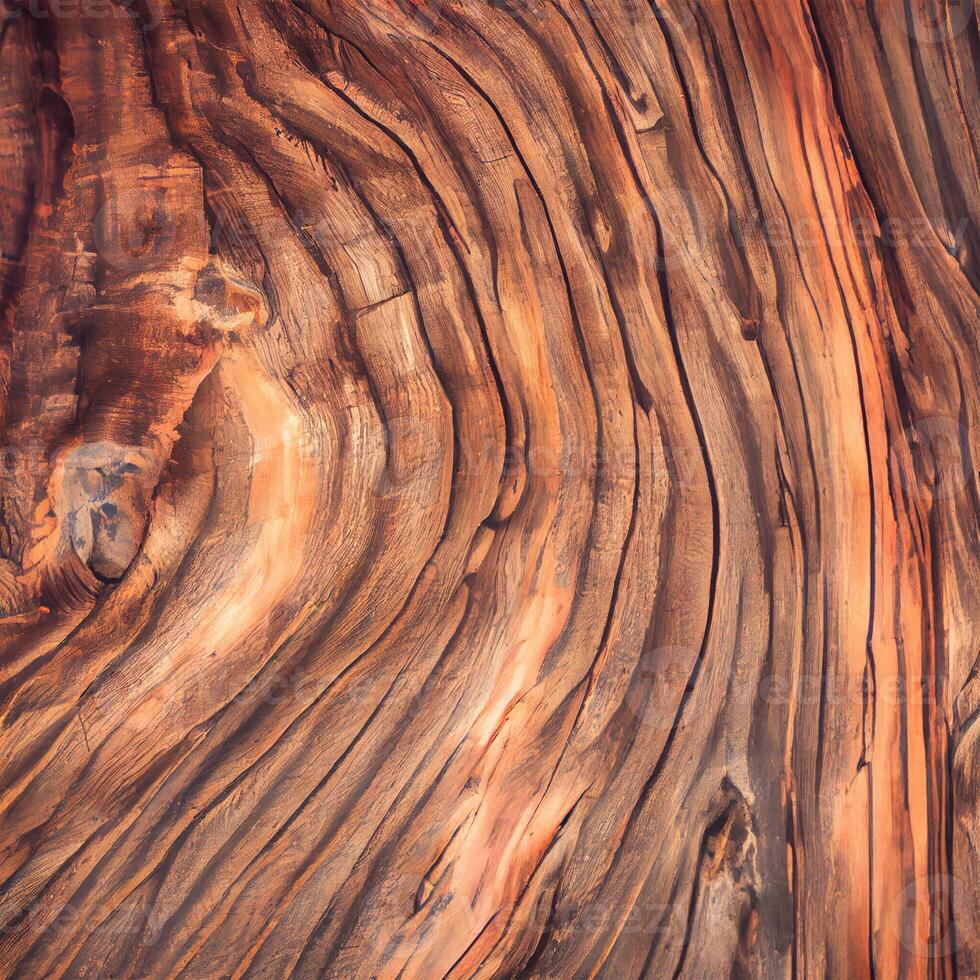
489 488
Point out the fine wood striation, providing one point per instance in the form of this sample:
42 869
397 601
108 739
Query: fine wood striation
489 488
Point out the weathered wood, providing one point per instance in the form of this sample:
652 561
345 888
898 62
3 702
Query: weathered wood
489 488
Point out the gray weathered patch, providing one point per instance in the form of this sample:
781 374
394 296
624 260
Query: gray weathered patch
107 489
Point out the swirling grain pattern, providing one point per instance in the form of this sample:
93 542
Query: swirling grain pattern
489 488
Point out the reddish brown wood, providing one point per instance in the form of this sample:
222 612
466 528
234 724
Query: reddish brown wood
489 488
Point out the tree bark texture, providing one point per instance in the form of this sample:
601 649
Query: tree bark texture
489 489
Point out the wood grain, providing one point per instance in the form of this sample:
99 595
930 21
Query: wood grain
489 488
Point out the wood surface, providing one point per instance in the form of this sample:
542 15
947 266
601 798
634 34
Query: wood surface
489 489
